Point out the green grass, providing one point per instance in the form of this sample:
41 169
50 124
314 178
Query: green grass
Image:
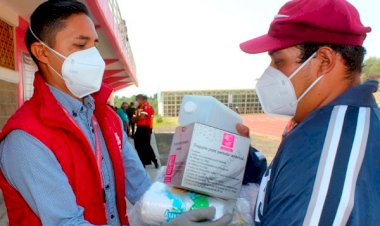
165 123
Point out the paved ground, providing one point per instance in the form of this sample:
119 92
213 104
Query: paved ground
164 141
266 125
153 172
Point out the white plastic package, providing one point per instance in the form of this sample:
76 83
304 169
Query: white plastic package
162 203
156 204
245 205
209 111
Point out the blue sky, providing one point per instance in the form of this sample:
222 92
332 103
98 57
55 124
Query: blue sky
194 44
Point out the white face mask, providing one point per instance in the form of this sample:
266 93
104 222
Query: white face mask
82 71
276 92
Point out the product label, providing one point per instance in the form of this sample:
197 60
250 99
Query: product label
178 207
177 157
199 201
167 179
181 204
215 162
170 215
228 142
169 168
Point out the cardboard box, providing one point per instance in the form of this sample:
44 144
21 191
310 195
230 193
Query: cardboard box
207 160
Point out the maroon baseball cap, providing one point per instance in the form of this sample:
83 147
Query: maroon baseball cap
316 21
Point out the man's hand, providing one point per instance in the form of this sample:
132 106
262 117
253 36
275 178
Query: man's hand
200 217
242 130
138 116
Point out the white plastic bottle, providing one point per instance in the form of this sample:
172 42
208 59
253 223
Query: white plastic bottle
209 111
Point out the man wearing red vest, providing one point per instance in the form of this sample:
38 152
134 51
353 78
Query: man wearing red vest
64 157
144 121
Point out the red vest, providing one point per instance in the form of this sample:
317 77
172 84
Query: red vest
43 118
149 112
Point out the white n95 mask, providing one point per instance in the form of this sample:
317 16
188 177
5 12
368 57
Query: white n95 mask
82 71
276 92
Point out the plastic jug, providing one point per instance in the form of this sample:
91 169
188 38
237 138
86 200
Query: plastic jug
209 111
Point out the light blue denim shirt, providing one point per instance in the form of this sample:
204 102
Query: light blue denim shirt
31 168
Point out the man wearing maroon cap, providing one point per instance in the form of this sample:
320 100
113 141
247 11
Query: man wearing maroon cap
327 170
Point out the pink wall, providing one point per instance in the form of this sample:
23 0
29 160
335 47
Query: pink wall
20 48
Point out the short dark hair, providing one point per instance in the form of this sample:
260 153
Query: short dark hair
142 96
49 18
353 56
132 103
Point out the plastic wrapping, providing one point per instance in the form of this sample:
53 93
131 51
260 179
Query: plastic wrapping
162 203
142 213
245 205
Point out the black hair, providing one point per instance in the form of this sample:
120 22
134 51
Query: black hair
142 96
49 18
353 56
132 103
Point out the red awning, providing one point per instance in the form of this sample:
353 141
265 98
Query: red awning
114 46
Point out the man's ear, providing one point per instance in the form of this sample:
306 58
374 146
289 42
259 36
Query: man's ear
39 51
327 58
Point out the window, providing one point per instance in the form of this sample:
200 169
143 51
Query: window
7 55
28 70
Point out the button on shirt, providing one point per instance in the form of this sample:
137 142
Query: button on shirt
31 168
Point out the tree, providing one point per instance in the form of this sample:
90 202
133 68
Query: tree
120 99
371 69
152 100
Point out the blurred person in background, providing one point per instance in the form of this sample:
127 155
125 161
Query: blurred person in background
144 120
130 112
123 116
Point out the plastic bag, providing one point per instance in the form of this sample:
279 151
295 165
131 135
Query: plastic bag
249 194
162 203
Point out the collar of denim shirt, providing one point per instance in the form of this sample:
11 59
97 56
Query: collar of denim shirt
72 105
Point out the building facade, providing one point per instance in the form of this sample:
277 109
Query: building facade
244 101
17 68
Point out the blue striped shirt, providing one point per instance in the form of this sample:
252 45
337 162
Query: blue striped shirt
31 168
327 171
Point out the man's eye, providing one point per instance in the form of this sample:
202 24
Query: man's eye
278 63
